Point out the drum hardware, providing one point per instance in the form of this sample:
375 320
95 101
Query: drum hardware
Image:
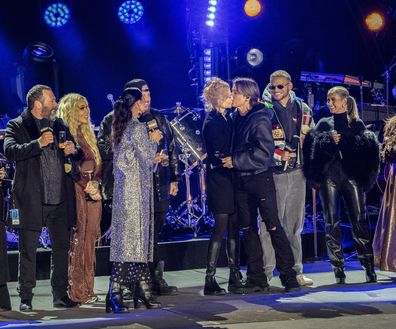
187 131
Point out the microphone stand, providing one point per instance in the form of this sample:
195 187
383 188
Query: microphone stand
361 96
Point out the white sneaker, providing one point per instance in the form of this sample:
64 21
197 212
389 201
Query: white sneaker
303 280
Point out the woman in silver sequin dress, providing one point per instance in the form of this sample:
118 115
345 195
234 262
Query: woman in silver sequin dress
132 209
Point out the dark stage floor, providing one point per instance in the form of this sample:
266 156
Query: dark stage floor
354 305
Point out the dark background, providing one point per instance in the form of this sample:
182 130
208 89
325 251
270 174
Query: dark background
97 54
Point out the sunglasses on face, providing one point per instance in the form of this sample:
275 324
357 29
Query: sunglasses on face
280 87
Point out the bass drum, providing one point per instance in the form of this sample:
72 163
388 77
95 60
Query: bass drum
187 129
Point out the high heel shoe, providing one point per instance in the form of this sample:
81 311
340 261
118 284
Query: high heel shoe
114 299
143 295
371 276
339 275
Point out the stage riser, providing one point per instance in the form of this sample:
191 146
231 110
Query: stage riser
177 255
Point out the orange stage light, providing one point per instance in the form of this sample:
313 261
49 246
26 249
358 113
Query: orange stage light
253 8
375 21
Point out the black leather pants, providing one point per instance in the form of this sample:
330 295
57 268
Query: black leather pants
331 191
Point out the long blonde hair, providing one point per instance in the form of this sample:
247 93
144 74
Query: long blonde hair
215 93
68 112
352 109
389 144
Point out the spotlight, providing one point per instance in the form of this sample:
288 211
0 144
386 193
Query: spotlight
38 52
130 12
252 8
57 14
394 91
375 21
211 14
207 64
254 57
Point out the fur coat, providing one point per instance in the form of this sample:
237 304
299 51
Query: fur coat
359 148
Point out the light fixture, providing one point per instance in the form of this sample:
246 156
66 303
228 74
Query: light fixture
38 52
253 8
211 13
207 64
130 12
254 57
57 14
375 21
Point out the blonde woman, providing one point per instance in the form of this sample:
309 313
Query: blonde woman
341 158
217 133
384 243
74 110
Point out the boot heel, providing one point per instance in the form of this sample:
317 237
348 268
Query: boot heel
137 303
143 295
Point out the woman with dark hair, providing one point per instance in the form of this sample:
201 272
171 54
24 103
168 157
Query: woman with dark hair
74 110
217 133
341 158
384 244
252 158
132 211
5 303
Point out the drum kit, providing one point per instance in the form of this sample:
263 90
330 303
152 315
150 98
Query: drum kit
186 126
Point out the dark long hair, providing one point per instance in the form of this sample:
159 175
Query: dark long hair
248 88
122 112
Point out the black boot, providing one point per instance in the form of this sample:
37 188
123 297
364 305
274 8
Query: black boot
159 285
235 280
114 301
143 294
371 277
212 287
339 275
5 303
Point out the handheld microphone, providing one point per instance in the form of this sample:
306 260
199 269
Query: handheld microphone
149 120
44 127
291 147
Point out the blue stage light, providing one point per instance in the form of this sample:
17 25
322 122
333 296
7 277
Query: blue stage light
211 13
130 12
57 14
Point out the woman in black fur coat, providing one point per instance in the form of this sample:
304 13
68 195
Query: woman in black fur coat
341 159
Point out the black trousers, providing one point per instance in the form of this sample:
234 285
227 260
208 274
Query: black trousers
258 192
55 219
330 193
160 211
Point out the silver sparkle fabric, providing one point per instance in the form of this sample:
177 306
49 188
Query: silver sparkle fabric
132 210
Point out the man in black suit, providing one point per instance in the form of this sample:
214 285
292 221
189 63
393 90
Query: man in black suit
43 193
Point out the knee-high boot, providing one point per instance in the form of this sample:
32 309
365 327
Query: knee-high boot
211 285
235 280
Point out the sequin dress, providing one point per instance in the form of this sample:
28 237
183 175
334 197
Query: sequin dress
132 210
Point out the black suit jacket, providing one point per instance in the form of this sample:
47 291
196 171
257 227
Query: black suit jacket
21 145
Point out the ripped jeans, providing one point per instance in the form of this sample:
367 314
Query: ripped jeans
257 193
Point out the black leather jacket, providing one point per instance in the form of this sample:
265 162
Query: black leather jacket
253 145
163 175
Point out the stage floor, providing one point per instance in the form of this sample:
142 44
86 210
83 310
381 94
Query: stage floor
327 305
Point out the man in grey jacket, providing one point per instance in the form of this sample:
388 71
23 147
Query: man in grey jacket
291 121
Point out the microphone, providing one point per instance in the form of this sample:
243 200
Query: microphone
292 148
149 120
44 127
